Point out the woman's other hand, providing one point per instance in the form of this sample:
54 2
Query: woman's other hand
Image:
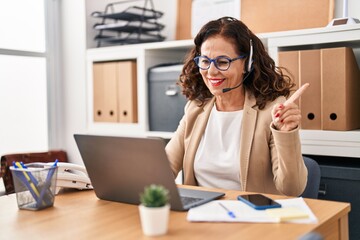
287 116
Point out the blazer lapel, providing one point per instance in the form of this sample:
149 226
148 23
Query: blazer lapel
246 138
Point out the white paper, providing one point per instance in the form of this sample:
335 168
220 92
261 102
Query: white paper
203 11
213 212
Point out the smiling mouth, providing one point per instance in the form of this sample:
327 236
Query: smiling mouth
216 82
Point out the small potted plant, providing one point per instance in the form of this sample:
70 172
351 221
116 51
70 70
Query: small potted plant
154 210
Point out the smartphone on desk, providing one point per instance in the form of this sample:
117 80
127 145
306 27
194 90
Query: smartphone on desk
258 201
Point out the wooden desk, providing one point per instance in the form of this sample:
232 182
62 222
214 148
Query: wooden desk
81 215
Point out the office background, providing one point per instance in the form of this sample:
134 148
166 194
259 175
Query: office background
76 38
74 44
68 103
68 97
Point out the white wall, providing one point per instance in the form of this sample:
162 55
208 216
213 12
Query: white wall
73 62
74 44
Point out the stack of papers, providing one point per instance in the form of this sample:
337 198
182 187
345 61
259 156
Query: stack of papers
293 210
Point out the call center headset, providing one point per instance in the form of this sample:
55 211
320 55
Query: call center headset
250 57
248 69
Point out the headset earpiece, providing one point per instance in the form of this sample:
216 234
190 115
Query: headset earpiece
250 61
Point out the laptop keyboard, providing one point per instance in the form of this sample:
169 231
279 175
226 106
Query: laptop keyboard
189 200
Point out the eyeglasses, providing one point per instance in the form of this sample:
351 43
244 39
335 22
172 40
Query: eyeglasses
222 63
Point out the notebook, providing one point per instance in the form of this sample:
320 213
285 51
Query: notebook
120 167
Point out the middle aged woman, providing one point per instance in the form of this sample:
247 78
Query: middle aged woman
237 132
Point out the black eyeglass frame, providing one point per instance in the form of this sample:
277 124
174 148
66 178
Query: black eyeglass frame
214 60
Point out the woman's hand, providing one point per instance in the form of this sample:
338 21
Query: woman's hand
287 116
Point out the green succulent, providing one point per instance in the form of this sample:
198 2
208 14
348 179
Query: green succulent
154 196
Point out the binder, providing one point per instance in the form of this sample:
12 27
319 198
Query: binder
127 91
310 101
105 93
183 20
340 80
290 61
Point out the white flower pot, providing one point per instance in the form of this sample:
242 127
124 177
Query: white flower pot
154 221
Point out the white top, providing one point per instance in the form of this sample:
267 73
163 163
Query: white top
217 160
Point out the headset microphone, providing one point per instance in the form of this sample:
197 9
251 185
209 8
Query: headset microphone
232 88
229 89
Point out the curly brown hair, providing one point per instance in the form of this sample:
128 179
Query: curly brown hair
266 81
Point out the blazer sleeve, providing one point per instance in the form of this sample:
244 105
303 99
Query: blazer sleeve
290 172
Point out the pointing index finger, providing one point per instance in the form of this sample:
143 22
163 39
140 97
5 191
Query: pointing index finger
297 94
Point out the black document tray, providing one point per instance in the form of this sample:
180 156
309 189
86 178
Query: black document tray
124 26
130 38
131 14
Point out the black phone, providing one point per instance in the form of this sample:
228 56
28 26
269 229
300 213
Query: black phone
258 201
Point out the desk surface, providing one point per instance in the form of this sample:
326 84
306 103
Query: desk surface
81 215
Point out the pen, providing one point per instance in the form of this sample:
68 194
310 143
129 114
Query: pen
230 213
22 178
33 179
32 185
46 186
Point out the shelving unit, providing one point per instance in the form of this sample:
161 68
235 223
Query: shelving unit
315 142
146 56
318 142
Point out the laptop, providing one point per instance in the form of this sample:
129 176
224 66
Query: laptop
119 168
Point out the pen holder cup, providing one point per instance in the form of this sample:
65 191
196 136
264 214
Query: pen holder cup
35 185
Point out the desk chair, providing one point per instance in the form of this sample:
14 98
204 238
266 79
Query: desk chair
313 179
